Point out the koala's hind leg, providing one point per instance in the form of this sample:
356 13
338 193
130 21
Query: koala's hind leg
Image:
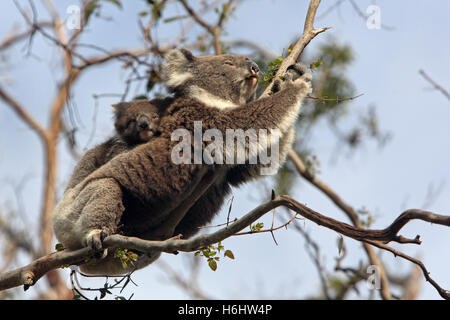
101 212
167 228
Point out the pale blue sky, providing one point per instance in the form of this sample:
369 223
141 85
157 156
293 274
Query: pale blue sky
385 181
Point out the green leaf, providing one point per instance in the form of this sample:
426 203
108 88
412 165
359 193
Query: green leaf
229 254
59 247
209 253
257 227
212 264
125 257
133 256
291 46
315 65
143 13
272 68
172 19
158 6
89 9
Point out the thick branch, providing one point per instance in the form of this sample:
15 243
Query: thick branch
31 273
28 275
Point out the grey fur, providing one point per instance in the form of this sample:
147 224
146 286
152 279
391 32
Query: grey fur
135 192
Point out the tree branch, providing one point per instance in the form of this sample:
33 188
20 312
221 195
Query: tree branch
14 38
28 275
196 17
435 84
214 30
309 33
442 292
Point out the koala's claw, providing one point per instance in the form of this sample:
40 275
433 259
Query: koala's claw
296 74
296 70
95 239
276 86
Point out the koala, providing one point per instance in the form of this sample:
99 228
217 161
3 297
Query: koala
144 193
135 123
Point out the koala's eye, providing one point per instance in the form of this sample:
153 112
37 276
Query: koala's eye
131 121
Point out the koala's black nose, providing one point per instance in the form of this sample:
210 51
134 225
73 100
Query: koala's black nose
254 67
143 123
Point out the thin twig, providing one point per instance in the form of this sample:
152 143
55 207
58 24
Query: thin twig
442 292
435 84
337 99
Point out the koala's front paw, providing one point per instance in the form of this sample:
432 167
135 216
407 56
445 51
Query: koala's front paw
296 75
295 71
303 83
94 239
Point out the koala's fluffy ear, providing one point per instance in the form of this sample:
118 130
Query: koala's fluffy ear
119 107
175 71
179 56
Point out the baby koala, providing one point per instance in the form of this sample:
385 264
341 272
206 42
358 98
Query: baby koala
135 122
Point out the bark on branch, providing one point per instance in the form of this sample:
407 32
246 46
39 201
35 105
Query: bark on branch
31 273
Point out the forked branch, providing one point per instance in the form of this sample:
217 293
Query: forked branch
31 273
309 33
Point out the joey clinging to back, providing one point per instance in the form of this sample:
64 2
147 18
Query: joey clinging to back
135 122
